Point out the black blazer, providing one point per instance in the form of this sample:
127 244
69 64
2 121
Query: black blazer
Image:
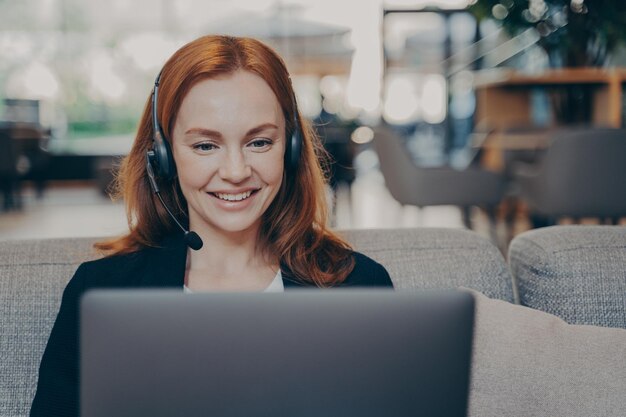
163 267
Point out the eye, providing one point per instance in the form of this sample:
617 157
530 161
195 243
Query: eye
260 143
204 147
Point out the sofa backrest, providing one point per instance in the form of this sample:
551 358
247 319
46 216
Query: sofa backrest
34 273
577 273
437 258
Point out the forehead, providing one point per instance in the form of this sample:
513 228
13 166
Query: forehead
239 98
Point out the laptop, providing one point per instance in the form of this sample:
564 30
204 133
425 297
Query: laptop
297 354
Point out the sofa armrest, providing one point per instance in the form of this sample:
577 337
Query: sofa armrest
577 273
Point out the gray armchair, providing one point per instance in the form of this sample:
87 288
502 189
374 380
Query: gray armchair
428 186
582 174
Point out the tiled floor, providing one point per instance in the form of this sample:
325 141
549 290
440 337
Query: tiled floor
67 210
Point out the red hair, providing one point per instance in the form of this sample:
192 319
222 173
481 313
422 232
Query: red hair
294 226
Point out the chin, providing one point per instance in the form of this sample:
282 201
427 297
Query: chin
235 226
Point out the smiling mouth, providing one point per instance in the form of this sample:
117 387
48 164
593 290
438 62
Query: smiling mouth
234 197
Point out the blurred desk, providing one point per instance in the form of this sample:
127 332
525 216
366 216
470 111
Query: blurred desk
494 145
517 139
504 107
504 96
113 145
92 158
22 156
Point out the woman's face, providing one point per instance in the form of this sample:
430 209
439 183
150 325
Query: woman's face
229 145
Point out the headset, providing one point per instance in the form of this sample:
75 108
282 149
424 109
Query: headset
160 164
160 155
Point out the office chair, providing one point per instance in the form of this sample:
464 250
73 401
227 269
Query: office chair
410 184
583 174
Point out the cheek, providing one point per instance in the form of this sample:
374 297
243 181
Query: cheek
192 173
272 170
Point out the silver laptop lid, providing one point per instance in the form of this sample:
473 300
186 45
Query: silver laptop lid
308 353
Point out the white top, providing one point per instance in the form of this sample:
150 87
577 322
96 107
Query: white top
275 286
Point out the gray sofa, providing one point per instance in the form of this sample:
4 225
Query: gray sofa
525 362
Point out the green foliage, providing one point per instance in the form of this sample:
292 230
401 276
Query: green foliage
582 32
85 129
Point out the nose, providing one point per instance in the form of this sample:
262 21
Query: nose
234 167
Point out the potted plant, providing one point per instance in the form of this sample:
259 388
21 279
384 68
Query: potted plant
574 33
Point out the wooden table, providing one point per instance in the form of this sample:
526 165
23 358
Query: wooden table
504 96
504 119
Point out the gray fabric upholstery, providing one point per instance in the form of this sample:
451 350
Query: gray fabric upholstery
575 272
32 277
425 258
532 364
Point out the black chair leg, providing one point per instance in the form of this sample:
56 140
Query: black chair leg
492 224
11 193
466 216
538 220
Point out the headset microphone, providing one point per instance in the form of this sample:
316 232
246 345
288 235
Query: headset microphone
191 238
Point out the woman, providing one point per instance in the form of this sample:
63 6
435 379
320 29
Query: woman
221 149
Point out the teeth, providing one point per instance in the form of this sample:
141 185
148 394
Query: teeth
233 197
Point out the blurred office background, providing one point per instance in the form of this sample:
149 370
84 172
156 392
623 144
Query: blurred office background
437 113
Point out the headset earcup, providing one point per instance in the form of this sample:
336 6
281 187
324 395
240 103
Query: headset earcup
294 150
166 169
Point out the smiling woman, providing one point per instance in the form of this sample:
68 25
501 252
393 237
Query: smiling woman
221 142
227 110
229 142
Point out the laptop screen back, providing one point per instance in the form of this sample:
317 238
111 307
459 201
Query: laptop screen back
310 353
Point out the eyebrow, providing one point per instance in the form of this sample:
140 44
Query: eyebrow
216 134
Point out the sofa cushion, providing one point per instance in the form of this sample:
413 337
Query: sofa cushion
529 363
575 272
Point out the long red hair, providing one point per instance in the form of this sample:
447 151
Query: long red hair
294 226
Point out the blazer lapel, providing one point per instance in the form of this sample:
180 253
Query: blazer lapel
165 266
289 282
